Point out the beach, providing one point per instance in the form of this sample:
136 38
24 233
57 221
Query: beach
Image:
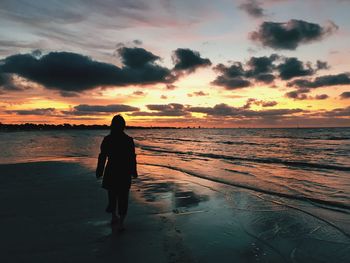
53 211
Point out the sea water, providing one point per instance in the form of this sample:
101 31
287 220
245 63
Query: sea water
302 166
307 164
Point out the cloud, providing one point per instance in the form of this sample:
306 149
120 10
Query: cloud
292 67
232 77
259 65
235 76
345 95
322 65
218 110
232 71
69 94
300 94
170 86
198 94
231 83
262 103
229 111
139 93
74 72
9 82
265 78
188 60
137 42
136 57
296 95
289 35
172 109
321 97
260 68
322 81
39 111
264 70
85 109
339 112
252 8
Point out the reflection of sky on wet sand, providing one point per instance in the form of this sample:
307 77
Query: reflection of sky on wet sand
177 196
223 221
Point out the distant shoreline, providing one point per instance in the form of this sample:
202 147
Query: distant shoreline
33 126
66 126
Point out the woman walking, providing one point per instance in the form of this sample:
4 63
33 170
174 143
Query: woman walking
119 150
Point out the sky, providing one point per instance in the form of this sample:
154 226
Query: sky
224 63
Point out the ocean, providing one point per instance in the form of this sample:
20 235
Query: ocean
306 170
307 164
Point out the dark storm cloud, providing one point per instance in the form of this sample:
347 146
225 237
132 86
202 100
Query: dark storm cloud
345 95
292 67
322 81
85 109
188 60
42 111
291 34
172 109
74 72
253 8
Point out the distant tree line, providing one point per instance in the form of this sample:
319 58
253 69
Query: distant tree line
65 126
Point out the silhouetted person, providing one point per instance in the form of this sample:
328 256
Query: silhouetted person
119 148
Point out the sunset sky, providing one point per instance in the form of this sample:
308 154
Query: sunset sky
224 63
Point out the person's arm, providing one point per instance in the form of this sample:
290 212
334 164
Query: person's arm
101 160
133 160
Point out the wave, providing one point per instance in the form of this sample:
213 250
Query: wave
198 141
237 143
299 164
326 203
335 138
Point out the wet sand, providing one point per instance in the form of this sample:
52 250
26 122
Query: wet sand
54 212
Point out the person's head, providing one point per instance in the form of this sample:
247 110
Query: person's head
117 124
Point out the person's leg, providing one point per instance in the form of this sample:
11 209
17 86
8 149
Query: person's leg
123 202
112 202
112 206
